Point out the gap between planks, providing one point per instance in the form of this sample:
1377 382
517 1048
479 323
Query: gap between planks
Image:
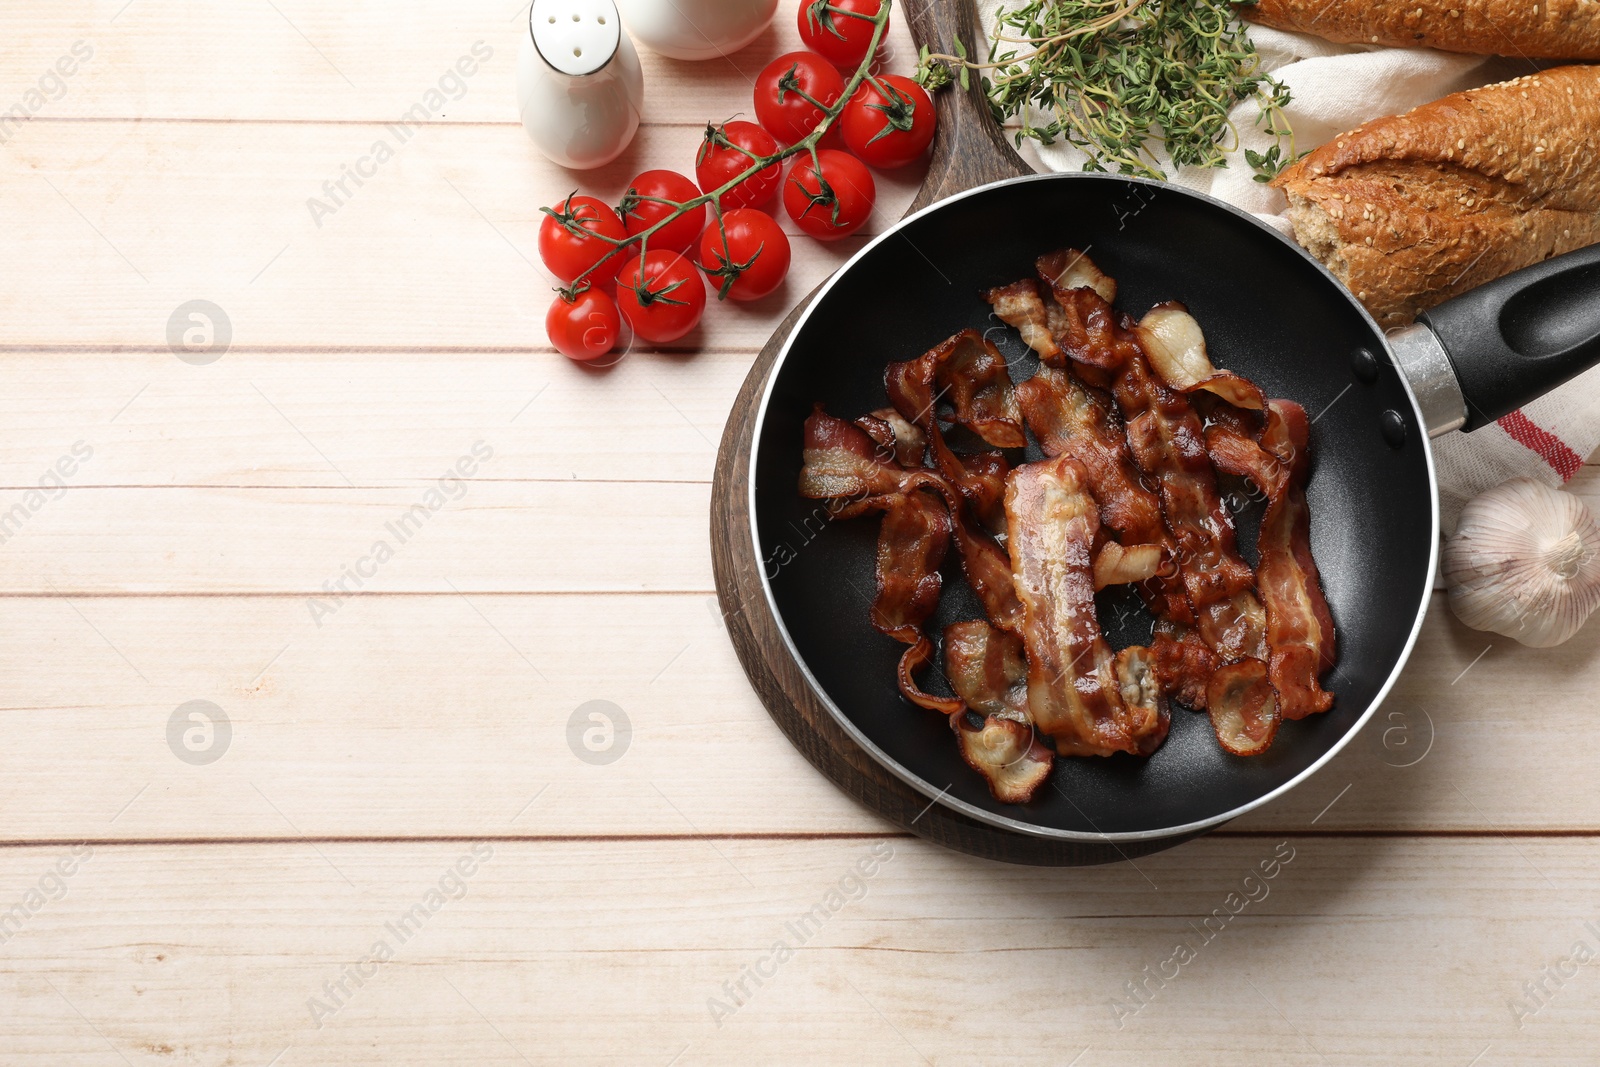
796 835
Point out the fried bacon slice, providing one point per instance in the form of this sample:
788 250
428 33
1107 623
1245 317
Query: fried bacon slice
1176 348
912 542
840 461
1167 442
1183 662
1007 753
969 374
1020 305
890 430
1071 269
1299 631
1071 420
1144 698
1075 691
1116 564
843 464
988 669
1243 707
978 479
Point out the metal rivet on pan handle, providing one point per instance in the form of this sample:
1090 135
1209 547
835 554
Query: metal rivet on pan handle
1393 425
1365 366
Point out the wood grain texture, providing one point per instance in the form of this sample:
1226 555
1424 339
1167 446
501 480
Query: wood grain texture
402 330
404 715
218 955
438 250
360 61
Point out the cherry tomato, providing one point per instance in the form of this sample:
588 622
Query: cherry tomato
753 259
585 328
835 206
835 30
888 128
642 208
661 295
727 151
569 254
785 92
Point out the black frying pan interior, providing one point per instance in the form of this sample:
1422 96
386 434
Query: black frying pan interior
1268 312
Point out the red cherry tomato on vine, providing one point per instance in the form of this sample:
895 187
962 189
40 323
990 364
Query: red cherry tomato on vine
642 208
891 127
567 253
585 328
785 92
661 295
835 206
837 30
753 259
727 151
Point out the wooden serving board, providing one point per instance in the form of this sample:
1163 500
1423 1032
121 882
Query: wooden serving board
968 150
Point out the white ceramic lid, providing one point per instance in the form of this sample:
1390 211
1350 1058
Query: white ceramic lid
576 37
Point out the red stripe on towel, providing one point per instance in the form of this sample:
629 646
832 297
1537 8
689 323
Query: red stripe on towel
1550 448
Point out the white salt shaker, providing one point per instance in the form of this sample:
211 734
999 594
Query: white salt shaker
579 85
697 29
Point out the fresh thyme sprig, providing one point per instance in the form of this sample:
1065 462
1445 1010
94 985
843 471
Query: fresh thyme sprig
1115 77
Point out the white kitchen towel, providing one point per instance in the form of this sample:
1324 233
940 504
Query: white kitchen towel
1336 88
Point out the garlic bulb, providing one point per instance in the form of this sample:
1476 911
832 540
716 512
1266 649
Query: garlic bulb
1524 562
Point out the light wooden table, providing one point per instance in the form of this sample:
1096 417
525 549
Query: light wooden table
168 910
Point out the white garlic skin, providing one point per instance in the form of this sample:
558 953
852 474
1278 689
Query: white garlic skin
1524 562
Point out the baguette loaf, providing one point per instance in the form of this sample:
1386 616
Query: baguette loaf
1413 209
1528 29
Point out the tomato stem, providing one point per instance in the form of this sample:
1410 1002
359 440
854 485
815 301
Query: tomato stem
790 83
808 143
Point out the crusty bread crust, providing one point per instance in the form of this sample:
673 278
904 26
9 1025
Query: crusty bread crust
1530 29
1413 209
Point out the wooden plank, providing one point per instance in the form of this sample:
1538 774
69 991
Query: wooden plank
438 249
362 61
387 422
413 716
588 953
446 536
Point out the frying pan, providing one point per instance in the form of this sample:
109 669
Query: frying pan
1270 312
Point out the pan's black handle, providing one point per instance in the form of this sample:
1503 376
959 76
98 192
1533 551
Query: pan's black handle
1519 337
969 148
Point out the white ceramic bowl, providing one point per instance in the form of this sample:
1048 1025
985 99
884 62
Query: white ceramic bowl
696 29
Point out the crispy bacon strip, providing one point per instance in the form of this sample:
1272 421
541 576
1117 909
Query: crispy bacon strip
843 463
890 430
1144 698
1115 564
1075 690
1176 347
1007 753
1183 663
969 374
1071 420
987 669
1071 269
912 660
1300 634
1020 305
1243 707
1167 441
978 480
912 542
